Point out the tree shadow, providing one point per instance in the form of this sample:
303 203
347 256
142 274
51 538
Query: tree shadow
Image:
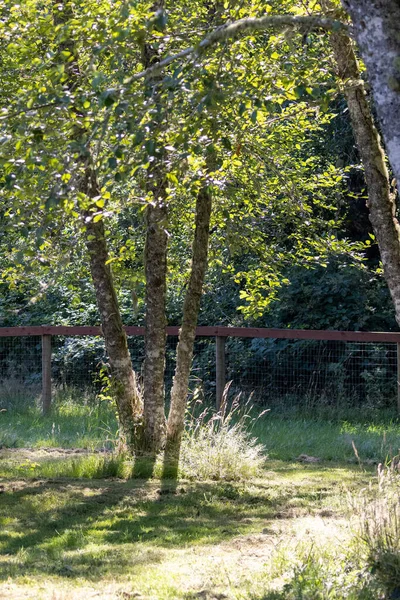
89 528
143 466
169 476
112 525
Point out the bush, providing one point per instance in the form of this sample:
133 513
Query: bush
219 446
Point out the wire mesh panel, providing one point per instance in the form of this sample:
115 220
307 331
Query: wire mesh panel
314 371
20 371
77 365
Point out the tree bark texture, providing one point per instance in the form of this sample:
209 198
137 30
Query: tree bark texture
381 202
376 28
191 307
156 323
187 334
155 259
123 379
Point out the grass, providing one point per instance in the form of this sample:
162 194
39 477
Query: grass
329 437
378 527
285 435
74 524
70 425
130 537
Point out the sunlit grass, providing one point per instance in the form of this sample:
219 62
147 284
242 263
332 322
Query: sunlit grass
285 435
208 536
71 424
76 523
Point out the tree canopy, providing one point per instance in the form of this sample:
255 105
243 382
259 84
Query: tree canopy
131 129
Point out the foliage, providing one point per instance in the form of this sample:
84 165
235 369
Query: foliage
270 184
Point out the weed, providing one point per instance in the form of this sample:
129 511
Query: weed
324 574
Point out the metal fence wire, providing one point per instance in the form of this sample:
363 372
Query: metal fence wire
274 370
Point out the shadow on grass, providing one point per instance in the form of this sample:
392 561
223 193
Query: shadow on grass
143 467
87 528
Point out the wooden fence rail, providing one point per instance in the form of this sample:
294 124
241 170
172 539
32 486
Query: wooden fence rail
220 333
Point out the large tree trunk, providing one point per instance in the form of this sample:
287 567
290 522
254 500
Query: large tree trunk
154 363
123 379
381 202
187 334
376 27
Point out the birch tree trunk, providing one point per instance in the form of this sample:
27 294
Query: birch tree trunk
381 202
123 379
187 333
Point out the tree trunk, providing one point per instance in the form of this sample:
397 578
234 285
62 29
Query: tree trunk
191 307
187 334
155 258
123 379
381 202
376 27
154 364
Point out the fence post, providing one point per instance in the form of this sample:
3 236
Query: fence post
46 373
220 369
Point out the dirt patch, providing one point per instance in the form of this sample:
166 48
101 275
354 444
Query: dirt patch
38 453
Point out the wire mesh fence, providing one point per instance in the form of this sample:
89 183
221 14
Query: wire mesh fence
314 371
286 371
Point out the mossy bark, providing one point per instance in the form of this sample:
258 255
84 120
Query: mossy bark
376 29
123 379
187 334
155 339
155 259
381 201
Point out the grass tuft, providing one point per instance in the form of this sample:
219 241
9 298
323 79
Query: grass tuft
220 446
379 527
90 466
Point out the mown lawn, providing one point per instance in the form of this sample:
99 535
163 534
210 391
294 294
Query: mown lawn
68 532
285 435
69 538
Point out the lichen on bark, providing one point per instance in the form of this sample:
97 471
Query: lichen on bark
381 200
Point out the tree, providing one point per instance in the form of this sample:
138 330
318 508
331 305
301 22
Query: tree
381 197
91 140
376 32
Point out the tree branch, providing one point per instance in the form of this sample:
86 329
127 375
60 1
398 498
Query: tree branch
227 32
239 29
